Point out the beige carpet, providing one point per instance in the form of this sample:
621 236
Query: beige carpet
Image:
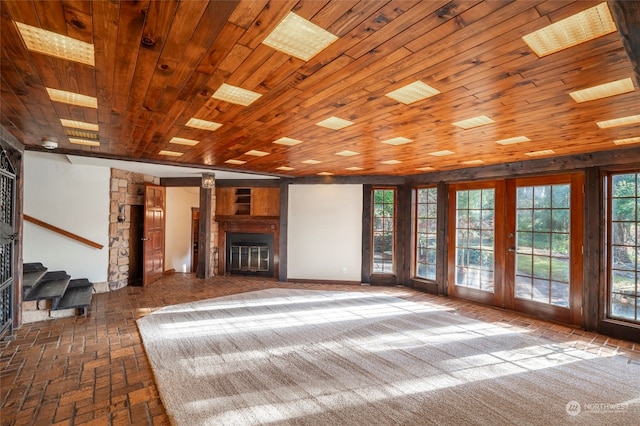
283 356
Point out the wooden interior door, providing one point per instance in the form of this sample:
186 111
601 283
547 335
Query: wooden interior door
154 207
195 229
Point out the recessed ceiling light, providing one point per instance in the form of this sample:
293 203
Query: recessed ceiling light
441 153
426 169
203 124
413 92
256 153
79 124
579 28
85 142
334 123
57 45
312 162
72 98
354 169
235 95
325 174
617 87
472 162
236 162
540 153
627 141
183 141
391 162
397 141
81 134
285 168
617 122
287 141
470 123
347 153
170 153
298 37
511 141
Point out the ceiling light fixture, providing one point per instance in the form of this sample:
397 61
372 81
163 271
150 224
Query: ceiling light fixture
56 45
347 153
470 123
511 141
606 90
170 153
617 122
472 162
236 162
287 141
312 162
390 162
197 123
397 141
49 143
426 169
183 141
441 153
354 168
325 174
79 124
540 153
256 153
299 37
413 92
576 29
334 123
285 168
71 98
81 134
627 141
85 142
235 95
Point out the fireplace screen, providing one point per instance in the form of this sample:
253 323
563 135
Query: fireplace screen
249 258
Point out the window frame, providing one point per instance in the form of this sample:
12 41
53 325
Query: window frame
416 231
393 271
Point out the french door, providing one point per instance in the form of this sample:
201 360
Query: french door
518 244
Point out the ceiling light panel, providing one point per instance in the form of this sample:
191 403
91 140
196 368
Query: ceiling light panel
618 122
236 95
72 98
312 162
236 162
413 92
470 123
84 142
334 123
472 162
57 45
606 90
197 123
511 141
354 169
397 141
579 28
299 37
81 134
540 153
79 124
426 169
170 153
347 153
287 141
183 141
256 153
285 168
627 141
441 153
325 174
390 162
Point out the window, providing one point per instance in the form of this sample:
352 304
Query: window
383 230
474 255
426 229
623 250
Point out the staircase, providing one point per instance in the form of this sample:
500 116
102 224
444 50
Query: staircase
57 286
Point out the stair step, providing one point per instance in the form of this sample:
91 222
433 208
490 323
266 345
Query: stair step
78 295
31 274
51 286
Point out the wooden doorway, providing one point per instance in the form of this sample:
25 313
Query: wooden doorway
154 217
136 235
195 227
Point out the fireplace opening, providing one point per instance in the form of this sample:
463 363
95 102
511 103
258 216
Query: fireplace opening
249 254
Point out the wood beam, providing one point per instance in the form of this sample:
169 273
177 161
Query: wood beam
627 16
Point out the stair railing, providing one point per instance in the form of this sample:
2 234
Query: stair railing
63 232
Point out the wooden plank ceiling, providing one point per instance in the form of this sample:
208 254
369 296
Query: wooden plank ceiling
158 63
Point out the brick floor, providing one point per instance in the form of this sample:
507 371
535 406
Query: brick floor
94 371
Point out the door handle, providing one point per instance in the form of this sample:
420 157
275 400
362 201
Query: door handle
144 239
511 249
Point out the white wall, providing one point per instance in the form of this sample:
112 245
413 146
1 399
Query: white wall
325 232
74 198
178 227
